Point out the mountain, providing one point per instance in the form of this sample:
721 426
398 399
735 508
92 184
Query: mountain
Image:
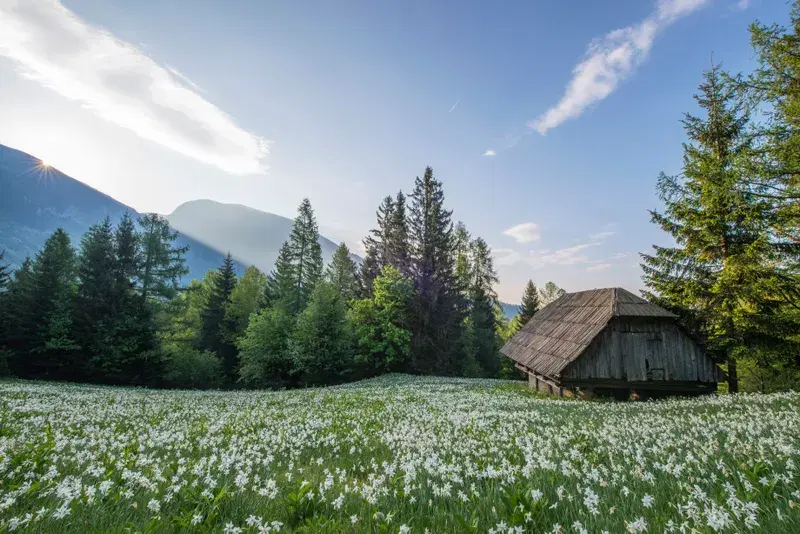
36 199
252 236
510 310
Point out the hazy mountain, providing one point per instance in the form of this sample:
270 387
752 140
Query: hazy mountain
252 236
510 310
35 200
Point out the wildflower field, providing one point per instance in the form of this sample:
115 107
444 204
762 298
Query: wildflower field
395 454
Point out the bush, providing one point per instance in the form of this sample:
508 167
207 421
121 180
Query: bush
192 368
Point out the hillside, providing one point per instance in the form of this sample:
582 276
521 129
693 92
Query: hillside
35 200
394 454
254 237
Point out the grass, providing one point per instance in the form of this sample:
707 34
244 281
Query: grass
394 454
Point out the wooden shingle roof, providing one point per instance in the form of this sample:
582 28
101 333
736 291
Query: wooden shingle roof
558 333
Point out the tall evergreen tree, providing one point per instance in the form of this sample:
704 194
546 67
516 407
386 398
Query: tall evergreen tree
217 333
50 307
281 283
483 342
437 317
247 297
97 303
5 274
306 256
530 304
397 245
19 329
127 247
342 273
716 273
370 269
162 263
377 245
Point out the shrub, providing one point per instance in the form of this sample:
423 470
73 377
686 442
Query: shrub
192 368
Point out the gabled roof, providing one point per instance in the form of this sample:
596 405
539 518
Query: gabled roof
558 333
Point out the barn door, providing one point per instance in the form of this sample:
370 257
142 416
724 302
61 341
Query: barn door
643 356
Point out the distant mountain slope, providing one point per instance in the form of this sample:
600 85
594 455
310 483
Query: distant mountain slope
254 237
510 310
35 200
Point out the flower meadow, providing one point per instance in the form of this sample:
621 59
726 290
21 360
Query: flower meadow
393 454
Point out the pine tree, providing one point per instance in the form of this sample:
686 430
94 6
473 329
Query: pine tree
96 303
4 272
127 247
53 274
217 333
321 341
483 342
437 317
462 248
18 327
529 305
397 246
281 282
370 269
716 274
162 263
342 273
306 256
376 245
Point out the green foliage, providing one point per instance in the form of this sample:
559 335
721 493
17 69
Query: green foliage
264 349
218 327
305 257
321 343
437 315
381 324
161 264
530 303
191 368
549 293
342 273
247 297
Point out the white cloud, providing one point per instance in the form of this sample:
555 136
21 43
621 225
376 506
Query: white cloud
563 256
490 152
119 83
506 256
621 255
610 60
742 4
600 236
598 267
525 232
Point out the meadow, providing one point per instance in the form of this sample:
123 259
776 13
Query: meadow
394 454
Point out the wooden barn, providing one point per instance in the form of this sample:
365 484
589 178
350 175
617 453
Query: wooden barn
611 341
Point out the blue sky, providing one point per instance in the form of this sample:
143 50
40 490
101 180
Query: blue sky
547 121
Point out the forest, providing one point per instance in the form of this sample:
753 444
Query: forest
112 310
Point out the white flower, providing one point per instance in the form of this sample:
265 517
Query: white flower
154 506
647 501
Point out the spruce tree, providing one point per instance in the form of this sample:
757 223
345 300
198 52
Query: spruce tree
162 263
53 273
397 246
281 283
715 275
97 304
437 317
529 305
217 333
306 256
342 273
370 269
5 275
377 245
127 247
483 342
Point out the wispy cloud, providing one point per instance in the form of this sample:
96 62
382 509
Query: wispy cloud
563 256
610 60
119 83
525 232
742 4
490 153
454 106
598 267
620 255
506 256
600 236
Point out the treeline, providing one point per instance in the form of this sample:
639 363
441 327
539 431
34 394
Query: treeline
422 301
733 274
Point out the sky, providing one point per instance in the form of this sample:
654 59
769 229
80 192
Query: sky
548 122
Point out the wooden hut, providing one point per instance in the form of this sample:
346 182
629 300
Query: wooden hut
610 340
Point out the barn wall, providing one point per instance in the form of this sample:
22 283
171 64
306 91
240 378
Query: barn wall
643 350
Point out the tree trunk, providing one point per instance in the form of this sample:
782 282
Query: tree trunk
733 376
